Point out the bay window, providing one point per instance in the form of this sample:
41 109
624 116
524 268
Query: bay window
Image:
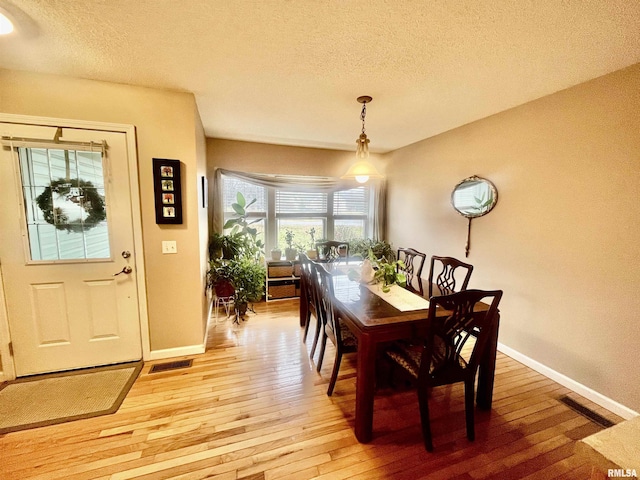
311 214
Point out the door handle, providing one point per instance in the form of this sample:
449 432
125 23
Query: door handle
126 270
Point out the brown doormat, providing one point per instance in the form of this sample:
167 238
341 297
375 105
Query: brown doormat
40 400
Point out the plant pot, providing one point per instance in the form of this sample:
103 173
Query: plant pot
224 289
312 254
290 254
276 254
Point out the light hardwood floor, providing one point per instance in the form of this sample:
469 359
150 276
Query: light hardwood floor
254 407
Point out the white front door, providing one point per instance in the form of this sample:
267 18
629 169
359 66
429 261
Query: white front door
66 229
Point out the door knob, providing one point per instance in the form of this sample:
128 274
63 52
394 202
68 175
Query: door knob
126 270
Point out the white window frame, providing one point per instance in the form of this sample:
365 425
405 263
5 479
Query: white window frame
271 217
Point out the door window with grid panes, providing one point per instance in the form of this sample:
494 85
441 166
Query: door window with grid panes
65 204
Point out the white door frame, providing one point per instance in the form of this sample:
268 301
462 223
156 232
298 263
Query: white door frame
8 367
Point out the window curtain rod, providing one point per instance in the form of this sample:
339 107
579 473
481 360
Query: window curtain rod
291 182
11 142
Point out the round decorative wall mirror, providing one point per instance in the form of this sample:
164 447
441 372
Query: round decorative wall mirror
473 197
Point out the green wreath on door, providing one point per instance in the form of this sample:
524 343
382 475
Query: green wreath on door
89 198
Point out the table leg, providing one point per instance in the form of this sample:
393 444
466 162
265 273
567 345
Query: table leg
365 388
487 369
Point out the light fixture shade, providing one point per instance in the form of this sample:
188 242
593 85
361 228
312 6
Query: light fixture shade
6 25
362 171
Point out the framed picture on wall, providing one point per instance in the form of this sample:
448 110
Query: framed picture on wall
167 191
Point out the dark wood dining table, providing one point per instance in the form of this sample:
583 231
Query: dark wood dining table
374 321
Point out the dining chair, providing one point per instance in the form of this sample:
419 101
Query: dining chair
332 251
333 329
413 263
446 279
444 357
307 269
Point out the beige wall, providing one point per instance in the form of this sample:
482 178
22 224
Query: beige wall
265 158
168 126
563 241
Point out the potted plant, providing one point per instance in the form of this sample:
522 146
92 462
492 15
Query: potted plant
380 270
248 280
379 249
290 252
244 274
276 254
241 226
311 252
226 246
219 278
236 264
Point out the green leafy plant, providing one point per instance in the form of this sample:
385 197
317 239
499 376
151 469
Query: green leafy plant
379 248
235 257
226 246
240 224
385 272
312 234
246 275
388 274
288 238
483 205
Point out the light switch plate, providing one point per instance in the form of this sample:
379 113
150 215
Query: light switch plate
169 246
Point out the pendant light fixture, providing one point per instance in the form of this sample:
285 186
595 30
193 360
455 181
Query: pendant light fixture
6 25
362 170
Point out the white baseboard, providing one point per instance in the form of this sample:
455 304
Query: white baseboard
565 381
176 352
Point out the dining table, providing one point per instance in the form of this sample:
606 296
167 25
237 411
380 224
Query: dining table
371 316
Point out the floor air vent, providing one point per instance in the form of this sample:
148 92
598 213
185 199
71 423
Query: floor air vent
163 367
586 412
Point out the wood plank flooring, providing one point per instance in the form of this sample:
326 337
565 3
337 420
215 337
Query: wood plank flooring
253 407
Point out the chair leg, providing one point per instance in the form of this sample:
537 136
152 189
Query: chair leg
423 401
306 326
334 374
469 408
315 338
323 346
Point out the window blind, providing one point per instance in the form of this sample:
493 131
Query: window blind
301 202
350 202
250 191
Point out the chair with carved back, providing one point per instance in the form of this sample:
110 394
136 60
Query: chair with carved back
447 273
446 355
333 329
332 251
307 270
413 261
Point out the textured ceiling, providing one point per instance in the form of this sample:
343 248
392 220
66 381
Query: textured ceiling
289 71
